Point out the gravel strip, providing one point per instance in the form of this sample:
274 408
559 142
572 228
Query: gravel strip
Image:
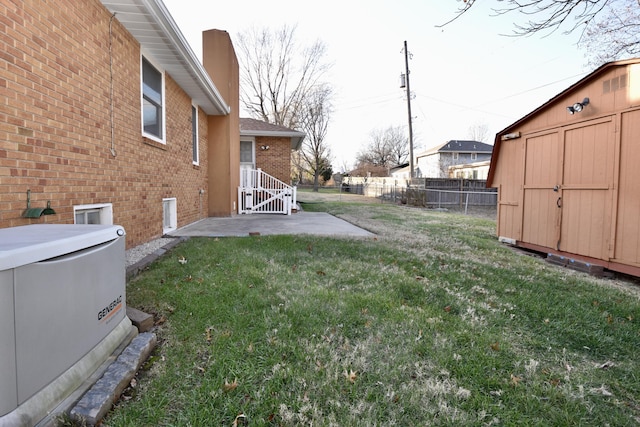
136 254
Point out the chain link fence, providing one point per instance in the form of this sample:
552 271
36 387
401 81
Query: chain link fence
461 195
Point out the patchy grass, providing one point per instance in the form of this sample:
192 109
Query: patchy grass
432 323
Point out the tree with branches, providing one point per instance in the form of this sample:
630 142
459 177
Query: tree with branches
277 74
479 132
609 28
314 157
387 148
613 35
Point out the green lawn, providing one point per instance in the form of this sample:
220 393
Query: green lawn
431 323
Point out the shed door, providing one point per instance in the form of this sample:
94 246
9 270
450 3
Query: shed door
568 189
587 189
541 215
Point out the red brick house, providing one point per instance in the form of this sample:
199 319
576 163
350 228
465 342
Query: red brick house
108 115
265 167
268 147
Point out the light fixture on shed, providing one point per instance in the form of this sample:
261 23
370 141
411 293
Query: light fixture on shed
578 106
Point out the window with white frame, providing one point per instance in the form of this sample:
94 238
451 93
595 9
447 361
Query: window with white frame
93 214
194 135
153 111
474 156
246 152
169 215
454 155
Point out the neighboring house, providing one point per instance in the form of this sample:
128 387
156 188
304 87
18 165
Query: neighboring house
268 147
476 170
401 172
435 162
567 173
107 114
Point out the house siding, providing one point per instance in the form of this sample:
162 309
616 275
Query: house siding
219 59
276 160
55 127
436 165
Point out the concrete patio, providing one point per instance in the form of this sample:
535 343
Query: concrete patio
314 223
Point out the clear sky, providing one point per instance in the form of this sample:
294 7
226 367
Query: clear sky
463 75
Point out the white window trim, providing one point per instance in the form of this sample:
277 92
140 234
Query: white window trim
164 101
197 136
252 140
106 212
173 215
474 156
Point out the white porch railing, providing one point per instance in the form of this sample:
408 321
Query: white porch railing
261 193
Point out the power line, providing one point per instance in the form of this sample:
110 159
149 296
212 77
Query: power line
363 102
493 101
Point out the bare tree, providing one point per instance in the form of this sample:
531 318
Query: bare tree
277 74
314 121
609 25
614 35
479 132
387 148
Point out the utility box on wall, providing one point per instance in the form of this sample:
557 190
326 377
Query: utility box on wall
62 312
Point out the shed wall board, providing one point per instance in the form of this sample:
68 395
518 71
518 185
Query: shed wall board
627 248
509 196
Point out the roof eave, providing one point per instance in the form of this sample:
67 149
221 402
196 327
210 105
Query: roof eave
296 137
181 63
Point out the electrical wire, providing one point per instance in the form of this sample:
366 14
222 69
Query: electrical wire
113 149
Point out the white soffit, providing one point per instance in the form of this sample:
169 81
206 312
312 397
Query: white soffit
151 24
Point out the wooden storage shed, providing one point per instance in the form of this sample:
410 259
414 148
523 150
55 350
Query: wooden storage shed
568 173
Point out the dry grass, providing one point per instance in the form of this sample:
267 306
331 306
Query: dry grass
432 323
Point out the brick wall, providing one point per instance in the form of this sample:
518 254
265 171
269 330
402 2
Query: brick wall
276 161
55 127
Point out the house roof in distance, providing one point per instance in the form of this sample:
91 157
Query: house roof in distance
459 146
255 127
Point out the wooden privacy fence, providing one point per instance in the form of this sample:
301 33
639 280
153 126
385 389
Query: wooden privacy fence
425 192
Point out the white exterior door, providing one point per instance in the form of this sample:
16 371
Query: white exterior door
247 156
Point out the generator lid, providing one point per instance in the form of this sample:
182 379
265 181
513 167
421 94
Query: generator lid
38 242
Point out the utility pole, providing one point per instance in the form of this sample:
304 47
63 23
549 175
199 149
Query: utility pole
405 83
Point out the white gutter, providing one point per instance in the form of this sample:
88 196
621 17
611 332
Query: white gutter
151 24
163 18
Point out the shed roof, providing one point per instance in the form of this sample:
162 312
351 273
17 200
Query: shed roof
579 84
254 127
458 146
151 24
